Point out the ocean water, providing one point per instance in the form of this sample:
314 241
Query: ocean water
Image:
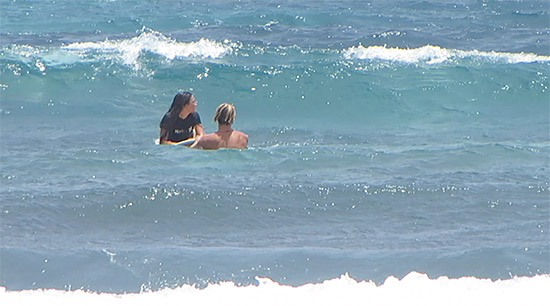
396 149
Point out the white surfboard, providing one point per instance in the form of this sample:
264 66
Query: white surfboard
186 142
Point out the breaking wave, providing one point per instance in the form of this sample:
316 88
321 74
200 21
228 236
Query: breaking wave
435 55
416 288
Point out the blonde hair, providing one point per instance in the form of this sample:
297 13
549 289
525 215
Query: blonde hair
225 113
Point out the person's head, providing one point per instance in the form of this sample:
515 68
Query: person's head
181 100
225 113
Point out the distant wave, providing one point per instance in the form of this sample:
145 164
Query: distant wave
434 55
415 288
154 42
125 51
130 52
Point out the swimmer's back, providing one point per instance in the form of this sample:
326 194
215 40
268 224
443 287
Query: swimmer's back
223 139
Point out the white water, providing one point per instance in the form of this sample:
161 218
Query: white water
414 289
434 55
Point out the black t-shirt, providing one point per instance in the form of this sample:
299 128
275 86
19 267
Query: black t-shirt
183 129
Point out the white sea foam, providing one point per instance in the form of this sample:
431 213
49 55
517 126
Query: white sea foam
415 288
434 55
130 49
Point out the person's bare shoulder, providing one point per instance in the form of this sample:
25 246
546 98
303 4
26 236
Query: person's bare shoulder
208 141
242 134
243 139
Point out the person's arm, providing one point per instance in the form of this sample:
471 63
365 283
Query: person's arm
199 130
163 139
197 142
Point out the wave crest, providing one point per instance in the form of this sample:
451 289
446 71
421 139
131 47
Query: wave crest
435 54
129 50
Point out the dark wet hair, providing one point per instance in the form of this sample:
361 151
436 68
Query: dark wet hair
180 100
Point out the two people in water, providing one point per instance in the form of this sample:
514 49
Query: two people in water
182 122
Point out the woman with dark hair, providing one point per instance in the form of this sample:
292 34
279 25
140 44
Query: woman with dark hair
181 122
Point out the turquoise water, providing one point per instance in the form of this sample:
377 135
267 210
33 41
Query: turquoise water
385 137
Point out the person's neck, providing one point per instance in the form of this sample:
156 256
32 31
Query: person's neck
224 128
